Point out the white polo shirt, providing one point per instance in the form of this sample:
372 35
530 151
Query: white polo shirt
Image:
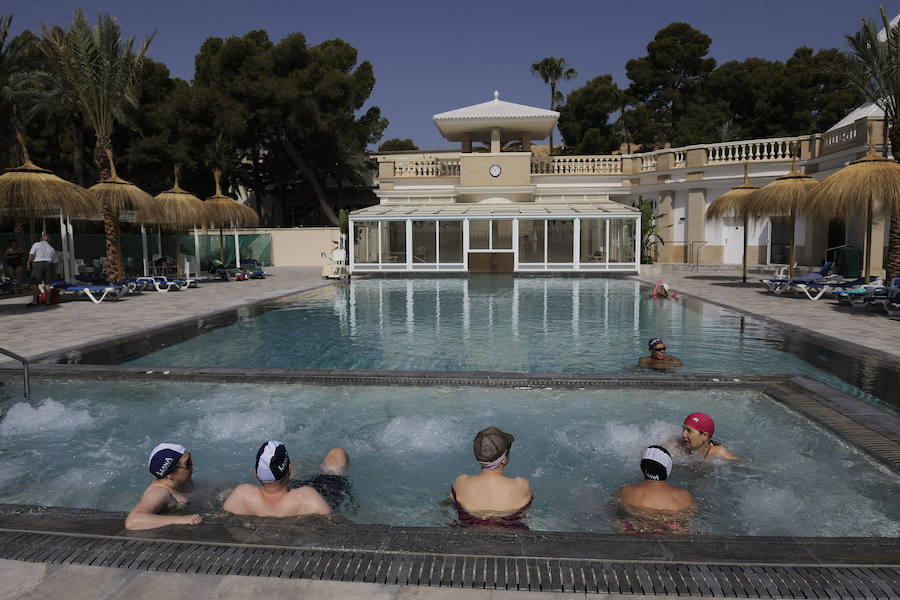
43 252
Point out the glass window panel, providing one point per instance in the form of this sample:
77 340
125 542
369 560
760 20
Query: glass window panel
621 240
479 232
531 241
560 238
393 241
593 240
502 234
365 242
451 241
424 242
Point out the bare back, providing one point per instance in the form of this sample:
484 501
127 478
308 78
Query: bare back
492 494
656 495
247 499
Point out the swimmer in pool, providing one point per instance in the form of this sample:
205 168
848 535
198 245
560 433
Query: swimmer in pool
273 498
662 290
173 468
658 358
654 505
491 498
696 438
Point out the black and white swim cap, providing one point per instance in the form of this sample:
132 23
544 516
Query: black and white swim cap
272 462
163 459
656 463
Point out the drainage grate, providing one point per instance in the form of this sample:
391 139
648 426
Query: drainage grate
459 570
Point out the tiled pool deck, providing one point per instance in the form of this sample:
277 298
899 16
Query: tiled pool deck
59 553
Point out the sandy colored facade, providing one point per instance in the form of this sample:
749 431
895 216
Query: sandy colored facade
680 183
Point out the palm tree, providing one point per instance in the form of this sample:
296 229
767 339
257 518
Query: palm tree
102 69
877 74
551 70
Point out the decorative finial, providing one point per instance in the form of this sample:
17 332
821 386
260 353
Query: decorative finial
496 95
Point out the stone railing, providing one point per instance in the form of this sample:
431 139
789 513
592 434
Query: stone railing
845 137
680 159
649 163
751 150
577 165
427 167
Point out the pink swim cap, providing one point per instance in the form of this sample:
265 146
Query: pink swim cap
702 422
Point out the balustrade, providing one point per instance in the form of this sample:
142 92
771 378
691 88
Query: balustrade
649 163
750 151
428 167
577 165
845 137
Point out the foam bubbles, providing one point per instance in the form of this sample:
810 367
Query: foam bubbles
422 434
23 418
627 441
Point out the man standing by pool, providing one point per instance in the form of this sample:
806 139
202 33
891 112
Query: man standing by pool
173 468
273 498
696 438
654 505
42 259
658 358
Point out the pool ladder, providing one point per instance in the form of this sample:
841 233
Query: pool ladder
24 368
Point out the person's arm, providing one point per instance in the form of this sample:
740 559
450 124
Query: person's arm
30 260
146 514
674 361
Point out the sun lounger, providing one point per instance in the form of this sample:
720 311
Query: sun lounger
253 268
818 289
96 293
157 283
783 285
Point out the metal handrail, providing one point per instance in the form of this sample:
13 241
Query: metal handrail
24 362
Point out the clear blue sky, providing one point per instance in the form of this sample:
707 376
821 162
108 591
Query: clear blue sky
432 56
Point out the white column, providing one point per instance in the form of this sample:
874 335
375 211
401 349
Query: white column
350 239
63 234
196 252
409 245
465 245
237 250
144 249
576 242
608 255
637 244
71 233
515 236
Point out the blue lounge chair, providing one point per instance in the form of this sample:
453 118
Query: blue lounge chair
95 293
782 285
253 268
817 289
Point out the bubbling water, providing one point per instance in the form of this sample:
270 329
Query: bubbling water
86 444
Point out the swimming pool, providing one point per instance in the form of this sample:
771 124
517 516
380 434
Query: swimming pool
84 443
508 324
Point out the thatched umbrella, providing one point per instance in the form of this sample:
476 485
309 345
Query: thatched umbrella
114 195
181 210
733 203
221 210
785 196
869 184
30 191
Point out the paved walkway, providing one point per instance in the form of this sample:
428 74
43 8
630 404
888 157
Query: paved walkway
865 327
33 331
74 582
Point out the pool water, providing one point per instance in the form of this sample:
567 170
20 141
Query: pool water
85 444
516 324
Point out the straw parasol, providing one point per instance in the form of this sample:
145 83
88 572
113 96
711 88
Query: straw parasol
181 209
869 184
221 210
115 194
785 195
733 203
29 190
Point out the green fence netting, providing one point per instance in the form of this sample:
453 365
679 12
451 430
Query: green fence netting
90 247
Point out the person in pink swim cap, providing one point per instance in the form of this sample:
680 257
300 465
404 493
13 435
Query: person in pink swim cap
696 438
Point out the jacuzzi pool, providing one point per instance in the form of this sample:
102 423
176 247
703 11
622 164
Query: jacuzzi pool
84 443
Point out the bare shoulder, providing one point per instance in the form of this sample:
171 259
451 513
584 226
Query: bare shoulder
237 498
309 502
684 496
522 485
154 500
460 480
722 452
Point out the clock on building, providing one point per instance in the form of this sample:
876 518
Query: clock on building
495 170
